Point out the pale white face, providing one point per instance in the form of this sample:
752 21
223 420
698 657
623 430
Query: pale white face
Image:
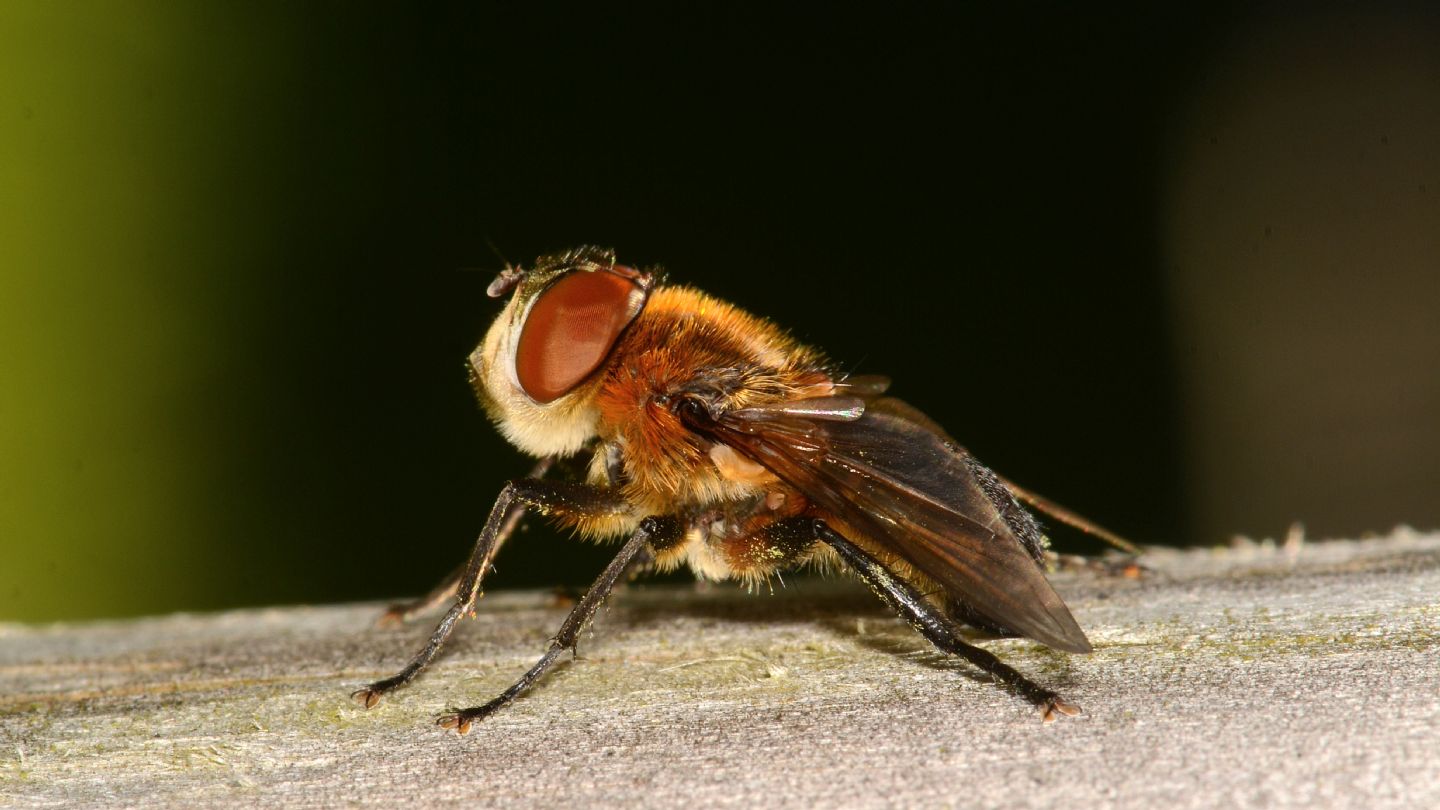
536 370
557 428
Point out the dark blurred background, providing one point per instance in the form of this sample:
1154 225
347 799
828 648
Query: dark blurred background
1176 267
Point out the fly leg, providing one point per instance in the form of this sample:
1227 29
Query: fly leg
401 612
1071 518
902 597
442 593
653 531
550 496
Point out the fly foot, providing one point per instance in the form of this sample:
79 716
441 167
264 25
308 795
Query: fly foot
1056 705
368 697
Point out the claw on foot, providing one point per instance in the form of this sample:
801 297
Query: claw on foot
394 616
368 696
456 721
1057 706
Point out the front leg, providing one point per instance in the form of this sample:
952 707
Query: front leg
934 626
653 532
450 585
552 497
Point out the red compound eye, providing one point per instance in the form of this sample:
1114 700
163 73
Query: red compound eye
570 329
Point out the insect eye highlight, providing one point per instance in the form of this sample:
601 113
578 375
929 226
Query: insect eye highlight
571 328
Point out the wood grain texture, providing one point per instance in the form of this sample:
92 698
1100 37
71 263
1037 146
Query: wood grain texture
1242 677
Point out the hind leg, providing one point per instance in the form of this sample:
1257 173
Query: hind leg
937 628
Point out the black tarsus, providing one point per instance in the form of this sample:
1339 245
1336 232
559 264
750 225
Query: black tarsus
653 530
552 496
447 587
931 623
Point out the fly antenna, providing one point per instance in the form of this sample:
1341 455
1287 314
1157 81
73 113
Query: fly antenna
509 276
501 256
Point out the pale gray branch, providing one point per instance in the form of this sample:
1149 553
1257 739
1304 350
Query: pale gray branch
1244 677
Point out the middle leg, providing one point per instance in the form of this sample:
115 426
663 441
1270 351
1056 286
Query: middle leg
653 532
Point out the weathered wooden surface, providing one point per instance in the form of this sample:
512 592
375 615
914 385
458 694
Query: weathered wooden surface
1249 677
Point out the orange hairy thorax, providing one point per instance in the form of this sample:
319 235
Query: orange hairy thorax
680 335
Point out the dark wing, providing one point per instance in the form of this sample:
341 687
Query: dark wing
890 475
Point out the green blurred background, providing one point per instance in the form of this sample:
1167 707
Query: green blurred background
1175 267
